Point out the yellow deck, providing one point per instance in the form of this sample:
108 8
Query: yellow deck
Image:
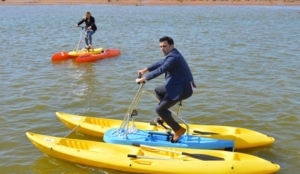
91 51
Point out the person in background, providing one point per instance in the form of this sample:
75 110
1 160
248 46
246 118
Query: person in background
178 86
90 27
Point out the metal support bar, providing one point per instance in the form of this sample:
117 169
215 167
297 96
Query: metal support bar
72 131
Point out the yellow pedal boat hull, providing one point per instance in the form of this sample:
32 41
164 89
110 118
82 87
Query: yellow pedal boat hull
243 138
149 160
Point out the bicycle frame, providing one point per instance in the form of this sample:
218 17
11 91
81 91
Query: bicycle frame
124 127
76 48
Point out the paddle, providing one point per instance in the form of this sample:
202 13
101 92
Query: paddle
205 133
157 158
147 157
197 156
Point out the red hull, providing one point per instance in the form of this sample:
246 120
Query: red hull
61 56
109 53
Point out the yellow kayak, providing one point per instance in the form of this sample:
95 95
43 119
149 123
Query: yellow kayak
148 159
91 51
243 138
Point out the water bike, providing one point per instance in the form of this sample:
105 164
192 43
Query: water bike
103 127
129 135
85 54
88 57
139 158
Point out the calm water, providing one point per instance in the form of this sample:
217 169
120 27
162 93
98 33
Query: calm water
245 61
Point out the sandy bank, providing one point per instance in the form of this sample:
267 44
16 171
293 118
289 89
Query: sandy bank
155 2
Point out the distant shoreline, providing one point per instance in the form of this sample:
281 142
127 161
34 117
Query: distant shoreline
155 2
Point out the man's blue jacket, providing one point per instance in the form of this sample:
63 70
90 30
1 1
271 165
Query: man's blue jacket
179 79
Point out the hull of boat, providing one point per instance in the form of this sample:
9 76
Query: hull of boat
150 160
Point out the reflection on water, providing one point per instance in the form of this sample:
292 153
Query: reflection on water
245 62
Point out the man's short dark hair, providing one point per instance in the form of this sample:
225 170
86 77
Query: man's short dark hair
168 39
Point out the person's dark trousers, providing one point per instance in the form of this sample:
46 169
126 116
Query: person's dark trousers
165 103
